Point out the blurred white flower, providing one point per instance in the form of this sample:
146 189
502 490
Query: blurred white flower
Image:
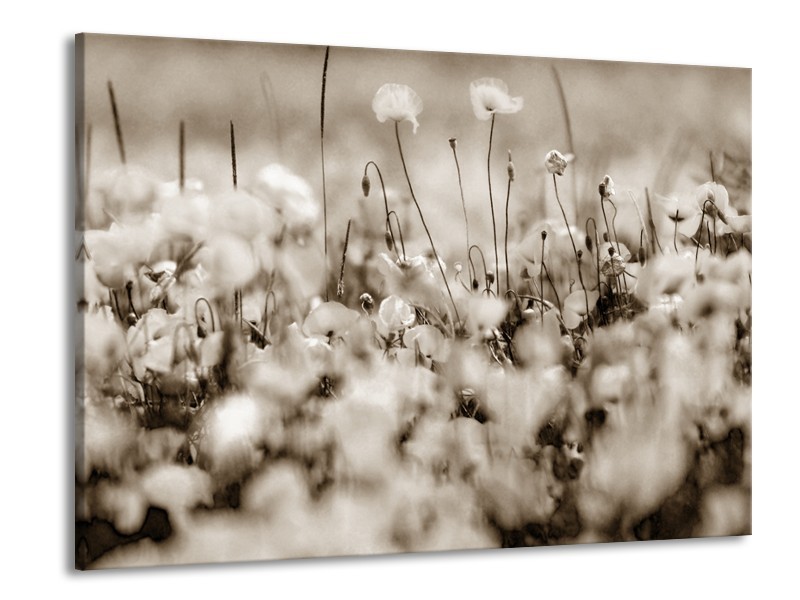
485 315
414 278
230 262
490 96
329 319
396 314
575 306
398 102
680 213
289 195
428 339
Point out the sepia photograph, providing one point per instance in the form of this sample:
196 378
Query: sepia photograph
336 301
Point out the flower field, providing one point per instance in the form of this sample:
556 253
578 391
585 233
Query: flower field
277 364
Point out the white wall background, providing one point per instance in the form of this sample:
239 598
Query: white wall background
35 141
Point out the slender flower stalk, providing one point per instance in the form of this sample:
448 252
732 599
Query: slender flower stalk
402 253
453 146
572 241
365 188
491 201
511 176
234 173
181 157
422 219
117 124
237 294
486 278
340 283
322 157
562 97
541 269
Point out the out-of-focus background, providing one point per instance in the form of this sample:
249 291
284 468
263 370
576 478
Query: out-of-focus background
645 124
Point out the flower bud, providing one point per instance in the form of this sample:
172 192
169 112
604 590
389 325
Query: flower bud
365 185
367 302
387 237
605 237
641 255
474 283
544 234
606 187
511 171
588 242
555 162
490 277
458 267
579 254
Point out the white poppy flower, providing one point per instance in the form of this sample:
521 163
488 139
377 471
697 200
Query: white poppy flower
490 96
397 102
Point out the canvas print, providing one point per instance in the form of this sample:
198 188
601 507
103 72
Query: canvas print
335 301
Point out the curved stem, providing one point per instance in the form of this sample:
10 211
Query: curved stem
483 260
541 271
422 219
392 213
566 222
204 300
491 204
385 201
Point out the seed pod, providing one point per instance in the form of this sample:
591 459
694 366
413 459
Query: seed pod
458 267
490 277
544 234
474 283
365 185
641 255
579 254
453 143
511 171
605 237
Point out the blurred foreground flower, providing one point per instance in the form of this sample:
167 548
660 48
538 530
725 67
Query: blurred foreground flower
397 102
396 314
490 96
290 195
